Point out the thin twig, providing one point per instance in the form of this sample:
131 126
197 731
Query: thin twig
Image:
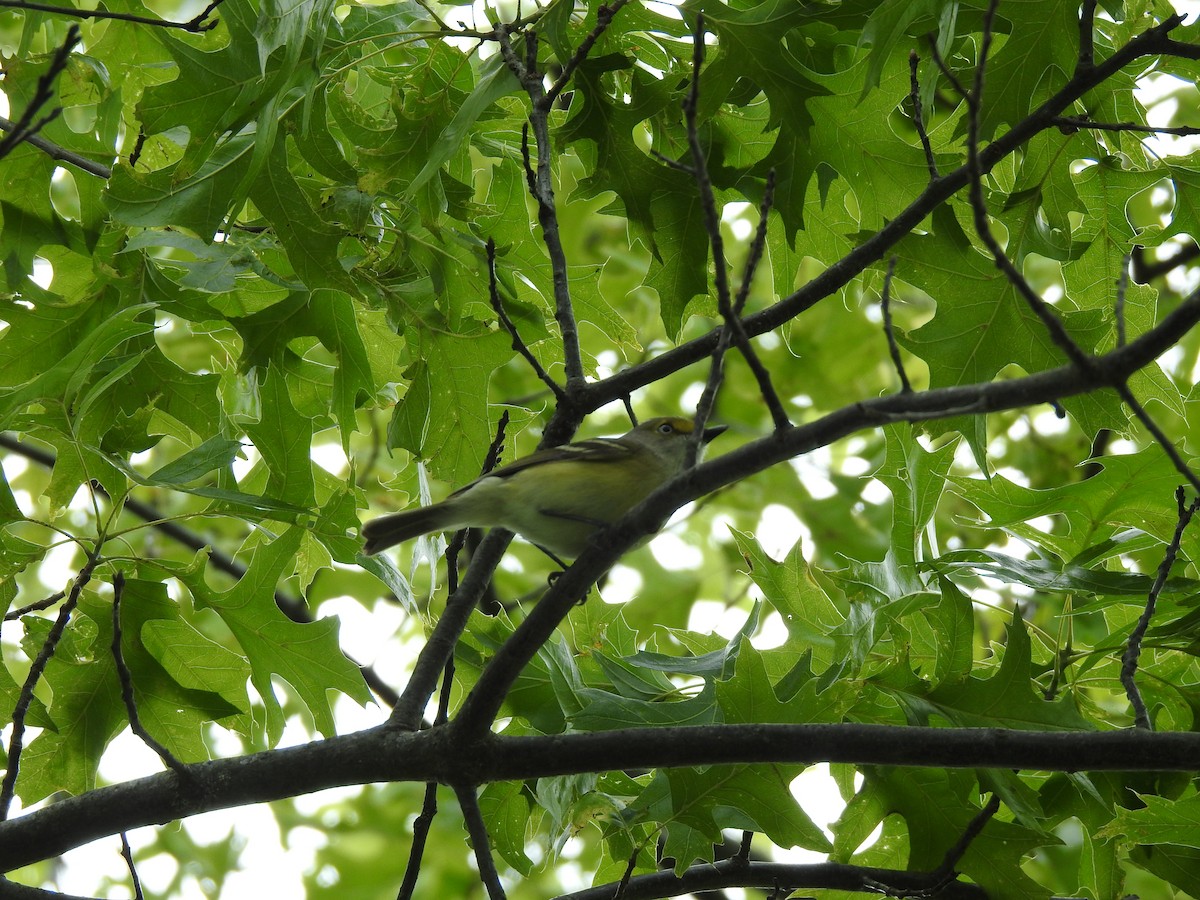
25 698
1076 122
604 17
673 163
732 330
914 91
429 806
1087 44
1058 334
54 151
889 332
468 801
192 25
126 678
541 187
945 69
127 855
947 867
25 127
517 343
438 653
623 884
292 607
628 402
758 246
1133 649
13 614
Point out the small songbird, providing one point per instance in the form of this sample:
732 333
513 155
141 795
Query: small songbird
555 498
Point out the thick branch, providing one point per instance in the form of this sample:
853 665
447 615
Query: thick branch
736 873
382 754
1112 369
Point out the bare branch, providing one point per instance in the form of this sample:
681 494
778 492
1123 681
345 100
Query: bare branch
517 344
127 855
541 187
731 330
429 806
25 127
16 739
126 679
383 754
946 71
1133 649
195 25
889 332
955 854
914 94
13 614
1068 123
477 829
1087 48
604 17
54 151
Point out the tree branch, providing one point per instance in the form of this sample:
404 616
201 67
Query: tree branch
292 607
54 151
195 25
1151 42
480 842
1109 370
783 877
382 754
8 787
914 93
25 127
542 188
1133 649
889 332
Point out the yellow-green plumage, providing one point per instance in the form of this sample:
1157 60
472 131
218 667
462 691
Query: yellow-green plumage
555 498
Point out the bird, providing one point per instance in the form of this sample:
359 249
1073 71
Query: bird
559 497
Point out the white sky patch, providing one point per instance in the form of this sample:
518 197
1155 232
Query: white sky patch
778 530
331 458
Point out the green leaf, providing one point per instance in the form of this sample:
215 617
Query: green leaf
1160 821
505 809
306 656
444 417
810 614
1007 699
214 453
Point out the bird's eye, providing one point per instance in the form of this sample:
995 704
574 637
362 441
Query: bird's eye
666 428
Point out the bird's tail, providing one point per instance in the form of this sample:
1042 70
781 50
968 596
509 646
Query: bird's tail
387 531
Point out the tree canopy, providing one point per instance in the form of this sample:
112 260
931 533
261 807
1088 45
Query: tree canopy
270 270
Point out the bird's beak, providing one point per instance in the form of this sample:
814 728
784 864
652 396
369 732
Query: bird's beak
710 433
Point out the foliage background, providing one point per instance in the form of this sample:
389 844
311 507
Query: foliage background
272 319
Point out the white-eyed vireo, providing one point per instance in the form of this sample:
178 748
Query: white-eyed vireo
555 498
